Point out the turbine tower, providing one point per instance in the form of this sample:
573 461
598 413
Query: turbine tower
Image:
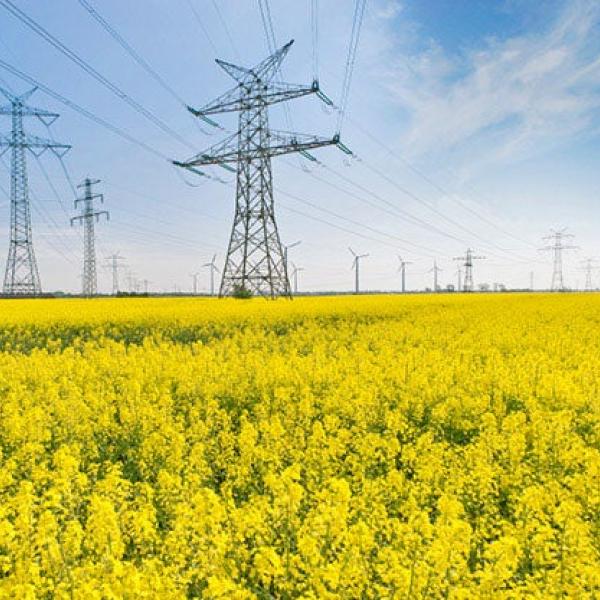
402 269
255 259
467 263
22 277
557 245
356 267
295 271
87 218
213 268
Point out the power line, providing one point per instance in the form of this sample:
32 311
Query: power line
82 111
359 9
226 28
201 25
74 57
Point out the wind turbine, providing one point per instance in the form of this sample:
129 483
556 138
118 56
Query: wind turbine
402 269
435 270
213 267
356 267
194 277
295 271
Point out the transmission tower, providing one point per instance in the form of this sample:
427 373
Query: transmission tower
86 218
115 266
213 268
255 259
557 244
467 263
435 270
589 266
402 269
22 276
356 267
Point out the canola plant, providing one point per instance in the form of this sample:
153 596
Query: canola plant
349 447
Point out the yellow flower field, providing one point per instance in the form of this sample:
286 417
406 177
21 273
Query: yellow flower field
349 447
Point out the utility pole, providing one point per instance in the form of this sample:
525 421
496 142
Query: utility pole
467 261
255 259
194 277
557 244
213 268
22 277
90 280
295 271
402 269
115 266
459 274
356 267
435 270
588 265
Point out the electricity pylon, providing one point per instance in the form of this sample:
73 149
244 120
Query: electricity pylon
213 268
589 266
295 271
255 260
467 263
115 266
435 270
558 237
402 269
22 276
86 218
356 267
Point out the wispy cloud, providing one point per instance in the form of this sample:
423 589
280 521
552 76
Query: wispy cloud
509 98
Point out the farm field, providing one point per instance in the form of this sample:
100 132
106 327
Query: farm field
348 447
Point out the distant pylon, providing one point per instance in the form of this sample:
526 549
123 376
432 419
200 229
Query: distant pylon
356 267
558 237
86 218
467 261
115 266
459 275
435 270
588 265
255 259
402 269
194 277
22 276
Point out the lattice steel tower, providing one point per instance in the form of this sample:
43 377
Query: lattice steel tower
467 261
558 238
86 218
255 260
22 276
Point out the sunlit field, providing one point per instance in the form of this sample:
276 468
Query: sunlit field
349 447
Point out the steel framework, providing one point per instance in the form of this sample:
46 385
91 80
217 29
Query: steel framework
86 218
22 277
255 261
467 262
558 237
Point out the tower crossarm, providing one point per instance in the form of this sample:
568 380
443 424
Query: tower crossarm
45 116
33 142
232 101
280 143
96 214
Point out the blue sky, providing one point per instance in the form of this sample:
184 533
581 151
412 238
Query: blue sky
474 123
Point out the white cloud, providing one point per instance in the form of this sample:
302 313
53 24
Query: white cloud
507 99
